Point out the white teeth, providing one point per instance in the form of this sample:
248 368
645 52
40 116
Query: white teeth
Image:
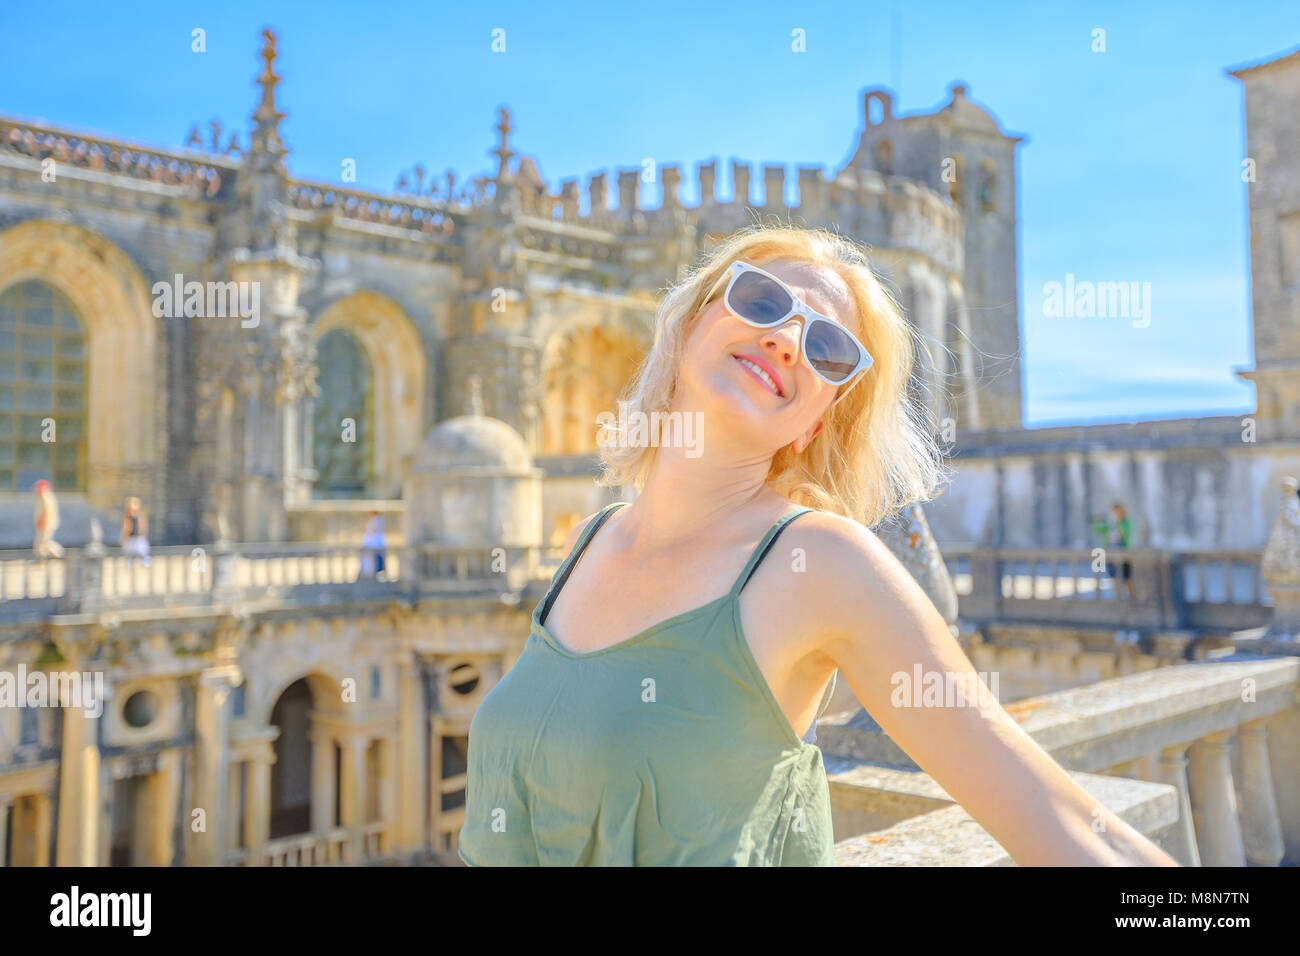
761 374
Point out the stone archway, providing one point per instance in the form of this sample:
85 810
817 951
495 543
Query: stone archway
585 367
397 358
291 773
112 297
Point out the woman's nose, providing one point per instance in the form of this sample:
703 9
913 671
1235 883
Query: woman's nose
785 339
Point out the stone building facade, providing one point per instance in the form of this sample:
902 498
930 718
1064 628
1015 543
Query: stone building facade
263 705
375 309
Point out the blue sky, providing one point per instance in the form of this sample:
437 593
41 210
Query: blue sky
1131 170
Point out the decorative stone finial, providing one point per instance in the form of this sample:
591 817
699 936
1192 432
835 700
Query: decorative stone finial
1280 566
503 153
266 118
475 395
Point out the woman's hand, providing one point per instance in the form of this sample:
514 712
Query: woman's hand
877 625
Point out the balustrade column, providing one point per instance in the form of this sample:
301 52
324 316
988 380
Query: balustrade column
1214 803
1261 827
1172 769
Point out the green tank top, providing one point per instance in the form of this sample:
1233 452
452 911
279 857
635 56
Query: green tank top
666 749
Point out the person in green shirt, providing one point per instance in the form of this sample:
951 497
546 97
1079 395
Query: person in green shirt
1121 532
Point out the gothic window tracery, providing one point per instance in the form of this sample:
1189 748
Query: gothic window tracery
43 356
344 468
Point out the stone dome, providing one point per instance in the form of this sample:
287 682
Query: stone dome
473 442
967 115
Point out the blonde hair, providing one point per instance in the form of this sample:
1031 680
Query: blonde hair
876 453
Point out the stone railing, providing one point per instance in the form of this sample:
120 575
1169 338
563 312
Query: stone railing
399 212
333 847
36 141
90 579
1203 590
1200 757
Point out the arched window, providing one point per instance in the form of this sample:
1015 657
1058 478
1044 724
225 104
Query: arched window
42 389
885 157
343 418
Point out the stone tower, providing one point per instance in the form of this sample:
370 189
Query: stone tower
491 336
961 152
1271 170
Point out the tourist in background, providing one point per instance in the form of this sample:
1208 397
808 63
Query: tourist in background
47 521
135 532
1120 535
372 548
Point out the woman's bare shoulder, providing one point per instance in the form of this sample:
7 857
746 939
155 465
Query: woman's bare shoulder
848 567
576 532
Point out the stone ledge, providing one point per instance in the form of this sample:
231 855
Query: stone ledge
951 837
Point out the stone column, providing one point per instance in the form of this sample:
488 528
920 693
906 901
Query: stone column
412 777
6 802
1078 517
1214 803
1173 771
257 802
354 792
435 782
164 792
211 729
232 823
42 827
322 781
388 789
1261 828
1152 497
78 841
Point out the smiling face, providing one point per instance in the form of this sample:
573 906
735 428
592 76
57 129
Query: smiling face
754 380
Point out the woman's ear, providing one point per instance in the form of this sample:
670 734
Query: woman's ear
804 440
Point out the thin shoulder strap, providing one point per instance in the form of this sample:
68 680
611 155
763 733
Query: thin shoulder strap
583 540
765 546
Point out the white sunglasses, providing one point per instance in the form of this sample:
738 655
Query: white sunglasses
760 299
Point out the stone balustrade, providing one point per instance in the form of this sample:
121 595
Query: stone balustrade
1200 757
181 576
419 215
203 179
1222 590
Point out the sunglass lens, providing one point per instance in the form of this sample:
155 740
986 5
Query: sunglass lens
760 300
831 351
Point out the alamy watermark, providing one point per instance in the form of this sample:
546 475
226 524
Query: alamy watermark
945 689
208 300
53 688
637 429
1100 300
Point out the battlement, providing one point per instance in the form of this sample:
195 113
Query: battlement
885 210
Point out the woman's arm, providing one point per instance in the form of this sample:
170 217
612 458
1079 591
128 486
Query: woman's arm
878 623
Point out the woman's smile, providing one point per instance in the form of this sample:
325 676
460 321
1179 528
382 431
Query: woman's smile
763 372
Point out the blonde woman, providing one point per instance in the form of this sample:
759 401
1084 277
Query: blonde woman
662 708
46 521
135 532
